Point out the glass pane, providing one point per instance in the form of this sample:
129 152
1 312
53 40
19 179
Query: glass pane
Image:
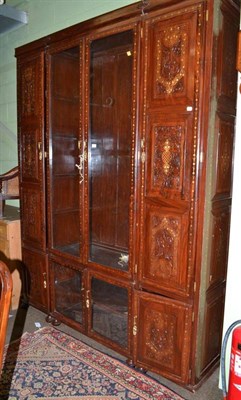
64 134
67 286
110 149
110 311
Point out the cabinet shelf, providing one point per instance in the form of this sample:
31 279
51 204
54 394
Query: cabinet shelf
65 136
73 249
67 99
66 211
110 311
115 258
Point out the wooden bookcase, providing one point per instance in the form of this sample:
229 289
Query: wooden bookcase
126 132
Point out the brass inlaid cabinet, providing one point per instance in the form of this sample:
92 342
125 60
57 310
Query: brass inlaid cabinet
126 126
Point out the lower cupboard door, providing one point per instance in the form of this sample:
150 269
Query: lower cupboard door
35 269
163 337
67 296
110 307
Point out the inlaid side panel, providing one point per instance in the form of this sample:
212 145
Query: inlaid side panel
172 55
169 157
30 87
37 278
31 118
163 335
226 64
33 229
30 156
213 323
165 253
32 149
224 146
219 245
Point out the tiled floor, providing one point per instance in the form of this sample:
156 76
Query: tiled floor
31 320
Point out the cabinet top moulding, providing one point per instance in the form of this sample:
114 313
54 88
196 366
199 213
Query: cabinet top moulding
134 11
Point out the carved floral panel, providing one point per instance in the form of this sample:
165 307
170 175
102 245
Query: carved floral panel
160 337
173 57
171 51
164 340
165 236
165 261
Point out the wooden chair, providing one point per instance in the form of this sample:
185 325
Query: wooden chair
9 187
6 286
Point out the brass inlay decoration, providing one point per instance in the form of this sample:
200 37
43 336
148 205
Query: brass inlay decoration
166 156
87 303
40 152
134 330
195 140
45 280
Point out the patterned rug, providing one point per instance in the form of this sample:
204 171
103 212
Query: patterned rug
49 364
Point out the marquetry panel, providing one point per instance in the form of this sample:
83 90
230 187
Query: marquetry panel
224 150
219 245
28 90
173 52
33 229
37 278
30 155
165 250
169 157
30 87
163 335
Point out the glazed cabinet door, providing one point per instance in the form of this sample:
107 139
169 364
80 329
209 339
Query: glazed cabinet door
65 163
67 294
162 331
111 62
109 305
169 147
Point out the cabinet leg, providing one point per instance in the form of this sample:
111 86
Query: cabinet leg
49 319
130 363
143 370
55 322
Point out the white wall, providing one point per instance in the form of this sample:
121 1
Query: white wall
233 292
